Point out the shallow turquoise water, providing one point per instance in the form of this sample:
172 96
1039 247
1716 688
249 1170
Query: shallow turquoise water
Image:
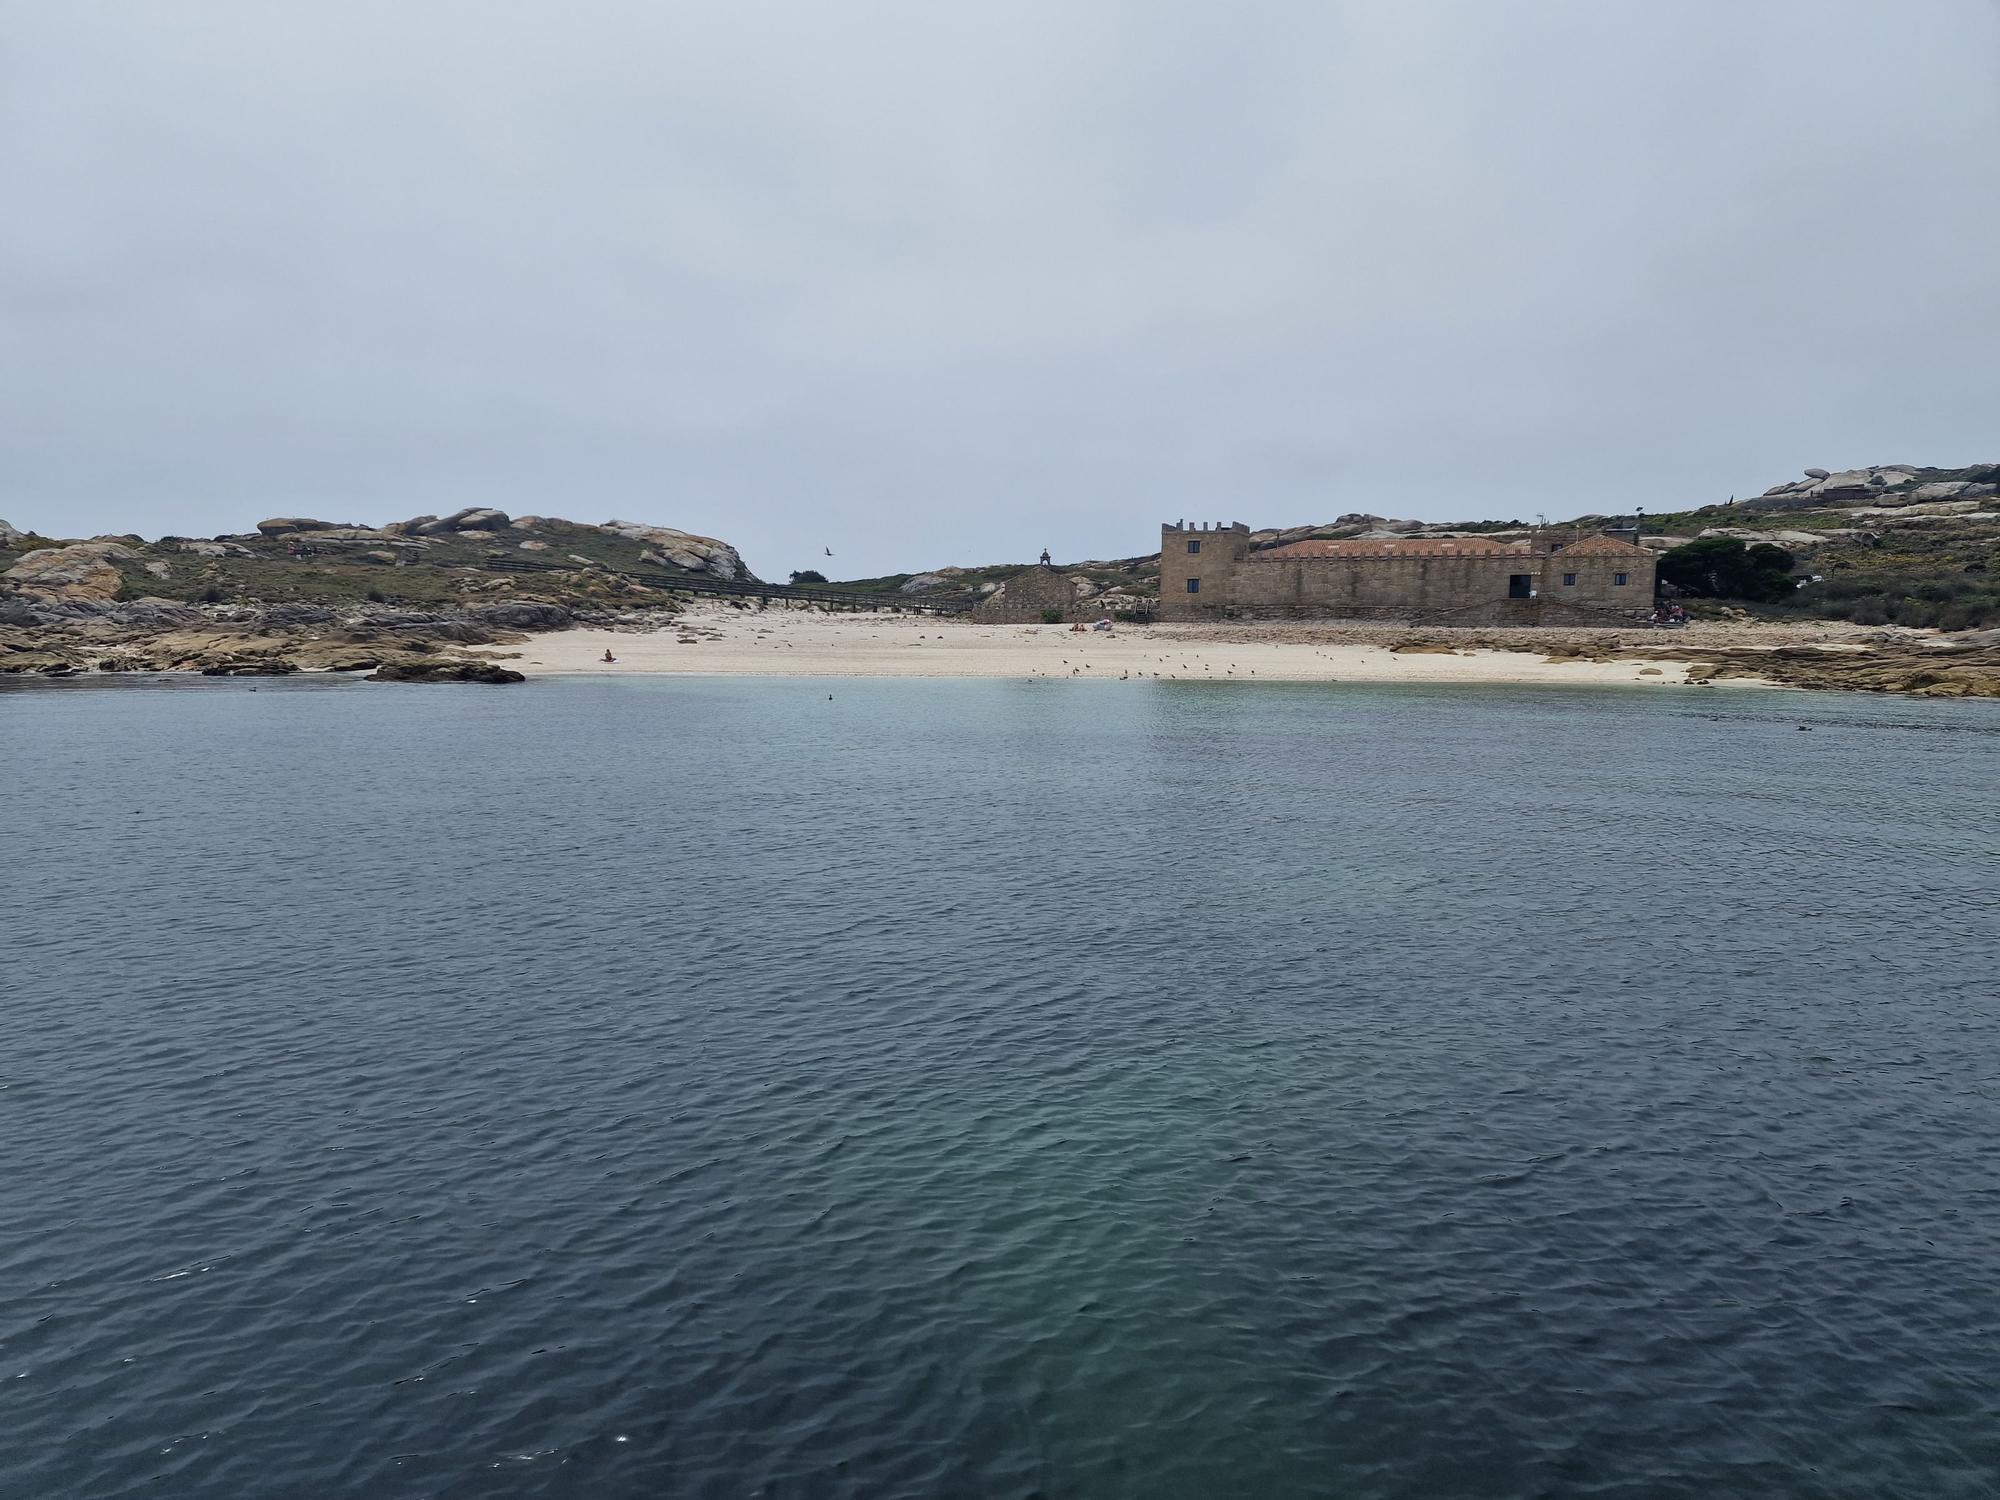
644 1087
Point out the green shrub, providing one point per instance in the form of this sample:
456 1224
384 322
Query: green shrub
1052 616
1721 567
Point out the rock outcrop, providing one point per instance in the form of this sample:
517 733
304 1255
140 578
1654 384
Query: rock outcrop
525 614
82 570
1791 541
930 583
682 549
472 518
1877 484
1951 489
1923 670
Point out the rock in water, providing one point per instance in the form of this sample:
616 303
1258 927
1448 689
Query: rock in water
256 666
444 671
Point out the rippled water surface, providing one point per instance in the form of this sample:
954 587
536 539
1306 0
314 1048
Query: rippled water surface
707 1088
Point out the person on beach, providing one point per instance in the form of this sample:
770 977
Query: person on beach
607 654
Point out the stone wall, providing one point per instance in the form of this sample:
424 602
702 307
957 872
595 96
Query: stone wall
1431 582
1372 583
1022 598
1368 586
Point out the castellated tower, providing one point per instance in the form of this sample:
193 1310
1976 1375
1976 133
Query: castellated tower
1197 564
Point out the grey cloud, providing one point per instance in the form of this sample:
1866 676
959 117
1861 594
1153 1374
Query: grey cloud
930 283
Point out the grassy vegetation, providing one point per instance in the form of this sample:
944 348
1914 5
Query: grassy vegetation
588 568
1967 602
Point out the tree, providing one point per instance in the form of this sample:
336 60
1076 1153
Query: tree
808 575
1721 567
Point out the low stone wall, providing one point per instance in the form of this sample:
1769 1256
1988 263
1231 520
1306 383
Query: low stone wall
1521 612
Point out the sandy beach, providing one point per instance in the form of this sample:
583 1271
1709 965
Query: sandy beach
719 641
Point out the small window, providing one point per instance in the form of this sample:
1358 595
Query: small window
1520 585
1194 585
1569 580
1619 578
1194 546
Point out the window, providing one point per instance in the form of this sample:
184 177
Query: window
1619 579
1569 580
1520 585
1194 585
1194 546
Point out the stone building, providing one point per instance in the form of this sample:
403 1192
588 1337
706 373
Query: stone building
1557 578
1023 598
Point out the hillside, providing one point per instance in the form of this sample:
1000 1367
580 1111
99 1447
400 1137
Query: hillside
299 593
1889 544
428 562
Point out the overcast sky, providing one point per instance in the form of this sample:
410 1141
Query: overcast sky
951 281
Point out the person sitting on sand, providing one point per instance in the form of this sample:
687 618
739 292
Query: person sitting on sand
607 654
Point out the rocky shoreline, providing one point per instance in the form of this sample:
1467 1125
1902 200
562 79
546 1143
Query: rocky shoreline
65 638
1822 656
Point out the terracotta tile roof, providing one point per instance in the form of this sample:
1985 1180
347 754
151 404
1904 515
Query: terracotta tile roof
1407 546
1603 546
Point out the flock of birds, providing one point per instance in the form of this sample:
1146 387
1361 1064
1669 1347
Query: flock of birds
1125 676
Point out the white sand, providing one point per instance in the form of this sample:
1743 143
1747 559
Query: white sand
800 643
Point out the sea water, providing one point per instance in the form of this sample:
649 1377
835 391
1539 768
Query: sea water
907 1088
